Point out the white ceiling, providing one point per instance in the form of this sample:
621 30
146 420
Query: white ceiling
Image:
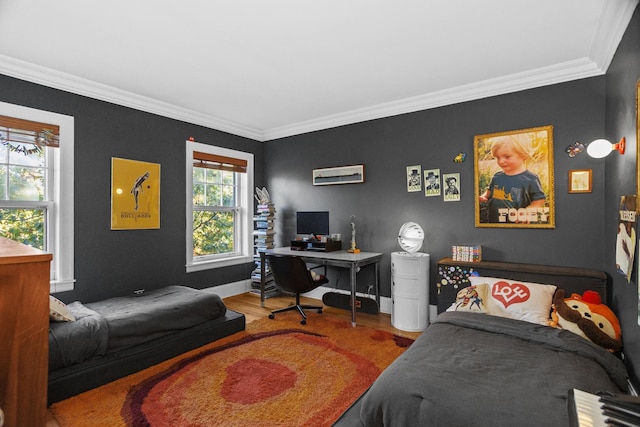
270 69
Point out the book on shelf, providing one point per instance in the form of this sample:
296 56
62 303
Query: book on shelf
265 208
270 287
255 275
261 249
265 245
264 216
264 237
263 232
268 217
268 284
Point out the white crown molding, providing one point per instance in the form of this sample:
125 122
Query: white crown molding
58 80
534 78
559 73
612 23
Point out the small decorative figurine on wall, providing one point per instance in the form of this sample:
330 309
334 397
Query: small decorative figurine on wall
575 149
460 157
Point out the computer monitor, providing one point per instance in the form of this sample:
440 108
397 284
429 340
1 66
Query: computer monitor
312 223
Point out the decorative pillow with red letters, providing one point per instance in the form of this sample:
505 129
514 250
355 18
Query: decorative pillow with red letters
518 300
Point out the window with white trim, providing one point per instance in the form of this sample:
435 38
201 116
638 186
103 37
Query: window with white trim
36 185
219 202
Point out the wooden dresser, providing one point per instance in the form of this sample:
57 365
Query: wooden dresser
24 326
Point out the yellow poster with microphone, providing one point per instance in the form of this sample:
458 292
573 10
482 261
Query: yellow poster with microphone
135 194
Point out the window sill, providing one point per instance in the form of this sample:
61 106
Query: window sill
207 265
61 286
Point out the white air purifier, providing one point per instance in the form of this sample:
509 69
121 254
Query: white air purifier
410 281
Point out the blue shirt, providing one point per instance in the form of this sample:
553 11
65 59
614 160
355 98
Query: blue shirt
513 191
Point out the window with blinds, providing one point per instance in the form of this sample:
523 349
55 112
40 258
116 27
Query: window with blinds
218 211
37 185
26 195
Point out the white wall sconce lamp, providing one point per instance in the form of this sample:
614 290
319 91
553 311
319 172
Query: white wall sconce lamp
602 148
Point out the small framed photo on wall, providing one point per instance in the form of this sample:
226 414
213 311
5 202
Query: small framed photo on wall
451 187
580 181
431 182
414 178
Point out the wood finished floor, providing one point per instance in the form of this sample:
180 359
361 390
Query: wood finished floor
249 305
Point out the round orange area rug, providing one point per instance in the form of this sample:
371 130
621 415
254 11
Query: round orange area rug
276 373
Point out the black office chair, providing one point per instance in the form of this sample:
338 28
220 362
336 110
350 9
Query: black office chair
291 275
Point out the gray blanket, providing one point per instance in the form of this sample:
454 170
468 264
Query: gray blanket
73 342
470 369
122 322
134 319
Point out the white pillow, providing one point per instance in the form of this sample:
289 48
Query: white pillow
58 311
471 298
518 300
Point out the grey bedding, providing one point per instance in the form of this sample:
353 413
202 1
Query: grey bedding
114 324
500 372
136 319
73 342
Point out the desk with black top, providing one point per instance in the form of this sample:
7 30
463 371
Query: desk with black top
343 259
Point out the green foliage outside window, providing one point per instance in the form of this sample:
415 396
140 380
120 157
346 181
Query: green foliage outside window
213 233
213 220
23 225
22 178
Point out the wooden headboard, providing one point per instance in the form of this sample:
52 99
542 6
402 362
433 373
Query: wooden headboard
451 276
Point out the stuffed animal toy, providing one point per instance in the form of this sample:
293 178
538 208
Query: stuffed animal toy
588 317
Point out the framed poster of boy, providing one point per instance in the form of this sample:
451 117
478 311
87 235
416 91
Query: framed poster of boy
514 179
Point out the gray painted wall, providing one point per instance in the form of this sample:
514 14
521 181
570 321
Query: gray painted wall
110 263
432 138
621 172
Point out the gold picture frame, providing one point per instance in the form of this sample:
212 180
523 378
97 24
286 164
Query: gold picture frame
518 192
580 180
135 195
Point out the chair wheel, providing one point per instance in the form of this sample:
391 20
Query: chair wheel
319 311
303 322
272 316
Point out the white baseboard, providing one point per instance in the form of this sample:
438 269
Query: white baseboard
231 289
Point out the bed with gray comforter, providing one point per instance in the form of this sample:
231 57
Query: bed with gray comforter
475 369
118 336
